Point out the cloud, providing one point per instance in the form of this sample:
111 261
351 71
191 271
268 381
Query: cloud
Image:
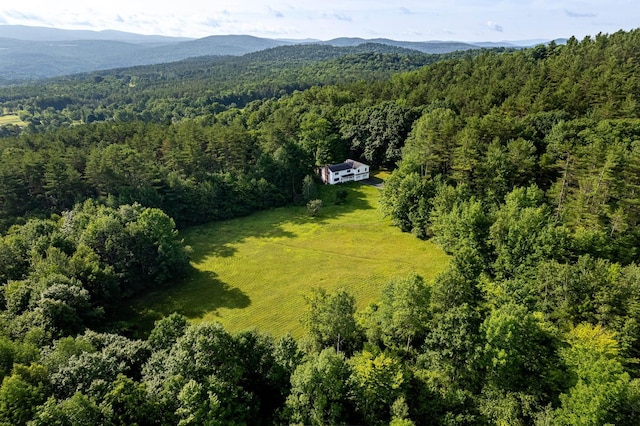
24 16
406 11
211 23
119 18
335 15
276 13
495 26
572 14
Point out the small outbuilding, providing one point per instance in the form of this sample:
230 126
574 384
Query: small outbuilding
349 171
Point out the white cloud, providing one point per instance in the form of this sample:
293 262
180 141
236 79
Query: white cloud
480 20
335 15
276 13
572 14
495 26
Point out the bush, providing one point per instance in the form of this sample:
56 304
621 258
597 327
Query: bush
313 207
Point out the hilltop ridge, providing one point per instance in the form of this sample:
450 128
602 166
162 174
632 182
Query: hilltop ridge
34 53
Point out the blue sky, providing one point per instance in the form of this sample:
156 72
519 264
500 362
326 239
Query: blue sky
464 20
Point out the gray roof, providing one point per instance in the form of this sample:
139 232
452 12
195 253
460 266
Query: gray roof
348 164
339 167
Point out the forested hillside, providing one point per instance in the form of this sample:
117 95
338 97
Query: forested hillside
202 86
523 165
36 53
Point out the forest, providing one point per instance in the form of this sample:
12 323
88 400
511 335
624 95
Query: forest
523 165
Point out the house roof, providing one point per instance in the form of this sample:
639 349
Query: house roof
348 164
339 167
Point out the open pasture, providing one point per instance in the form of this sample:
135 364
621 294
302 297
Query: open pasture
11 119
253 272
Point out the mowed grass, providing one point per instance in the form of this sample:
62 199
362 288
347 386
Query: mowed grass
253 272
11 119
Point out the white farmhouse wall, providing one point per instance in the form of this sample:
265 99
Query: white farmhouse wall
349 171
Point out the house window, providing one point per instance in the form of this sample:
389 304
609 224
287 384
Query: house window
336 173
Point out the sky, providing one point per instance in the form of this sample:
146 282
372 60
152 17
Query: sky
461 20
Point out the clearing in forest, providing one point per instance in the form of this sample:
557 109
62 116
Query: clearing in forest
253 272
11 119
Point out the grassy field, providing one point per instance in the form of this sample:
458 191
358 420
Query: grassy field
11 119
252 272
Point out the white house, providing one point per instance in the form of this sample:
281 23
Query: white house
348 171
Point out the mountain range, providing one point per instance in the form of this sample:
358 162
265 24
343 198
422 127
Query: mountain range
33 53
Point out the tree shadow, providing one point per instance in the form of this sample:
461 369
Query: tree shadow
219 238
200 293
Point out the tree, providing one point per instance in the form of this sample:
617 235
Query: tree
377 381
319 390
403 312
600 380
21 393
122 171
157 248
452 348
309 189
520 357
196 406
64 307
96 363
460 221
458 284
76 411
14 262
430 146
377 133
407 198
140 244
524 234
207 372
126 402
313 207
15 352
318 137
330 320
166 331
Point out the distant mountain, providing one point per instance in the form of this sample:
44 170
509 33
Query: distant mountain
519 43
27 33
492 44
421 46
234 45
32 53
32 60
28 60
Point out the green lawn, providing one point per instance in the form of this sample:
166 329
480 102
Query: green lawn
11 119
252 272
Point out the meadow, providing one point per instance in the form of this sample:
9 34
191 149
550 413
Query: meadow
253 272
11 119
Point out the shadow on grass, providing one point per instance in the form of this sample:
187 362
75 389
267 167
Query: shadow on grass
217 239
200 293
375 181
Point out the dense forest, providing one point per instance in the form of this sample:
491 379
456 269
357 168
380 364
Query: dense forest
523 165
204 85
